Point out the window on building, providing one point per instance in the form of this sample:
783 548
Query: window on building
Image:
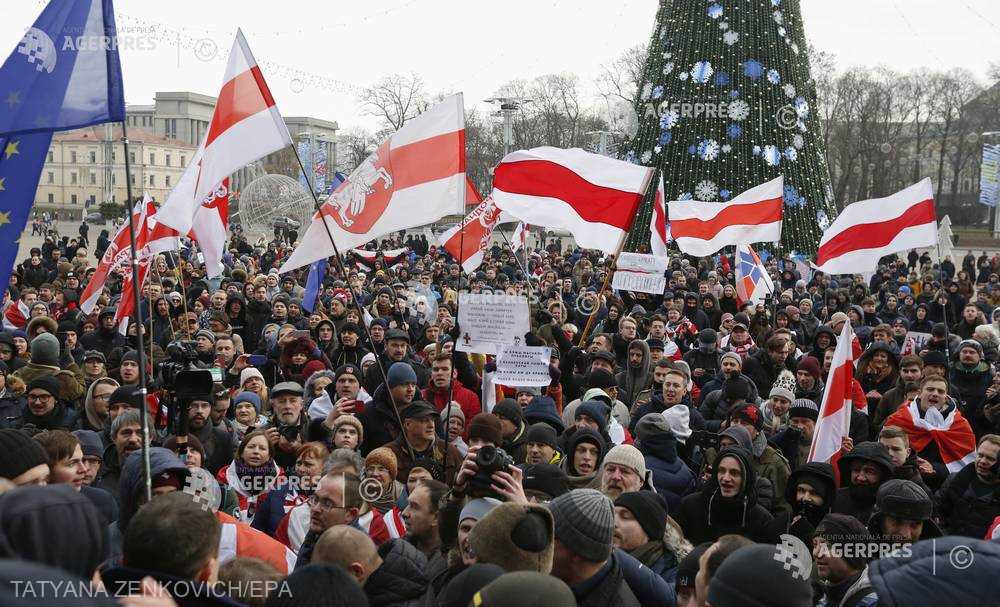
72 178
183 162
52 156
152 181
166 181
167 160
131 157
93 158
52 177
152 158
72 198
93 179
72 157
52 199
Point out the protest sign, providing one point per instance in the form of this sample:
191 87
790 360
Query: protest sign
489 322
523 366
639 272
919 340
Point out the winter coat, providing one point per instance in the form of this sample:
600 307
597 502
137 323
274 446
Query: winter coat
256 314
763 371
706 515
656 405
649 586
436 452
71 382
671 476
869 381
970 386
11 406
611 590
961 511
466 398
400 581
697 359
379 420
373 377
920 579
61 417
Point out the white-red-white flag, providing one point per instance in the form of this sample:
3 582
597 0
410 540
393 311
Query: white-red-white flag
659 228
245 127
702 228
15 314
416 177
118 254
834 421
468 241
868 230
592 196
126 304
519 236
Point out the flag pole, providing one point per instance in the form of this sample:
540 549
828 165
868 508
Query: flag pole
454 375
361 313
144 409
614 261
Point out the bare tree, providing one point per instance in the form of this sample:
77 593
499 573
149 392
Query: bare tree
620 77
354 146
394 100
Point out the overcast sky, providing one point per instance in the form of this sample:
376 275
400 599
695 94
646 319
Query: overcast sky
316 54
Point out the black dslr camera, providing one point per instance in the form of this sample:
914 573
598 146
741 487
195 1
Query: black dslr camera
489 460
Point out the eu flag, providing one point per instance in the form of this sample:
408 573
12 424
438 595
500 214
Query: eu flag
63 74
317 272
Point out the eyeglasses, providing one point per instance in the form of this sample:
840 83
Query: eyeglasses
323 503
39 398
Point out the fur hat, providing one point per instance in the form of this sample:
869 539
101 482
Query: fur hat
47 322
383 456
517 537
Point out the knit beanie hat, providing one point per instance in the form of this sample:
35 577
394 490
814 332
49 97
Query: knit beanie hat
740 435
249 372
965 343
803 407
546 479
543 434
810 365
749 413
90 443
517 537
54 525
596 411
734 356
525 589
20 453
840 529
754 576
130 356
383 456
509 410
584 523
206 334
130 395
649 510
784 386
465 585
477 508
45 350
350 420
248 397
311 367
400 373
486 427
679 419
628 456
49 383
452 410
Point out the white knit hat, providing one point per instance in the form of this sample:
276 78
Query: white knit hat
679 419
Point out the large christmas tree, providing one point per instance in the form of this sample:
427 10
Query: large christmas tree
726 102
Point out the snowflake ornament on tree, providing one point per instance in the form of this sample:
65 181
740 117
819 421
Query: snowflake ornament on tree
706 190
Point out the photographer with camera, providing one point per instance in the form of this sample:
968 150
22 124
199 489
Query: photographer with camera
286 432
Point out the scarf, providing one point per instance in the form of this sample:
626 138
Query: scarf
650 552
255 480
49 421
951 433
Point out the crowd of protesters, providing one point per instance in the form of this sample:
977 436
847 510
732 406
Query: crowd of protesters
348 454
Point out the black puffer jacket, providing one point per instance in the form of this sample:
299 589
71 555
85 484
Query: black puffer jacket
401 580
961 510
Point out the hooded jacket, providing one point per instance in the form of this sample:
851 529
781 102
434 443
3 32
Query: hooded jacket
707 515
130 486
400 580
804 527
570 441
869 380
633 380
903 581
849 499
671 476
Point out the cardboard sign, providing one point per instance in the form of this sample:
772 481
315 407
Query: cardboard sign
488 322
523 366
641 273
919 340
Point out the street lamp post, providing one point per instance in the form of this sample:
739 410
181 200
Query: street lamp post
995 214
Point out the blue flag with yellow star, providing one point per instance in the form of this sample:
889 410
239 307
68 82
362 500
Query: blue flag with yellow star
63 74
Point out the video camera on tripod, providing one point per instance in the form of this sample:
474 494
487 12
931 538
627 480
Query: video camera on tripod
184 381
